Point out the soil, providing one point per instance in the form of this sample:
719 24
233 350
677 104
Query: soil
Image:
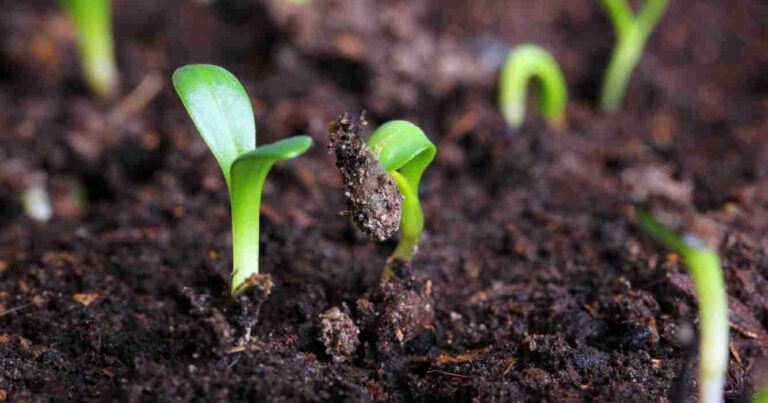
533 281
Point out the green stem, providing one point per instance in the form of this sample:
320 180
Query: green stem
708 280
713 322
245 193
524 63
411 219
625 56
631 37
249 171
92 20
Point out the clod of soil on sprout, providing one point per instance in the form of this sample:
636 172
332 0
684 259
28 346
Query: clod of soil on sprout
339 334
373 199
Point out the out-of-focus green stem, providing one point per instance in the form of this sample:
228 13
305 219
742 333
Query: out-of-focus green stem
524 63
631 36
92 21
707 274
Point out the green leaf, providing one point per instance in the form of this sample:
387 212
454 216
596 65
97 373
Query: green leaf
402 146
249 172
220 109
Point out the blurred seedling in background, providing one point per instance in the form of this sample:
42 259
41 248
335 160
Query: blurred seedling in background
525 63
92 22
223 115
381 180
707 275
632 32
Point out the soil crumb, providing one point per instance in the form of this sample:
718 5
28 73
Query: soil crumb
398 311
373 199
247 305
339 334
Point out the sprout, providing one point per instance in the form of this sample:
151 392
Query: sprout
381 179
707 275
222 113
523 63
631 35
405 152
93 26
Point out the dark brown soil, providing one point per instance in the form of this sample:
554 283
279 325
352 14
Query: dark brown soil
533 282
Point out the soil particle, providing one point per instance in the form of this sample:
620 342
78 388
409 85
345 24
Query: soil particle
398 311
373 200
339 334
248 303
201 306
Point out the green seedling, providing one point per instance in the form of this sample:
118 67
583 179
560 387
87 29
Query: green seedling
524 63
707 275
92 21
632 33
405 152
223 115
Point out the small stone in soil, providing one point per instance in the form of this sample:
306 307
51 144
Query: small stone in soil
373 199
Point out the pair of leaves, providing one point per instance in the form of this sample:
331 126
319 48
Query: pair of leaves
222 113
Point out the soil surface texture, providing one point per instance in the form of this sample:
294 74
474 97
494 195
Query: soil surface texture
533 281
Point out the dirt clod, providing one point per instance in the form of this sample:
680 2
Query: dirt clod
248 303
398 311
339 334
373 199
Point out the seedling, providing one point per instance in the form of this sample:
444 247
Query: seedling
707 275
223 115
405 152
631 36
92 21
381 179
524 63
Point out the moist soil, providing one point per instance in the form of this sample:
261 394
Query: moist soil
532 283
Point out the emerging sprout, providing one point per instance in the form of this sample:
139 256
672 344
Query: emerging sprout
222 113
707 275
92 21
405 152
381 179
631 35
524 63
